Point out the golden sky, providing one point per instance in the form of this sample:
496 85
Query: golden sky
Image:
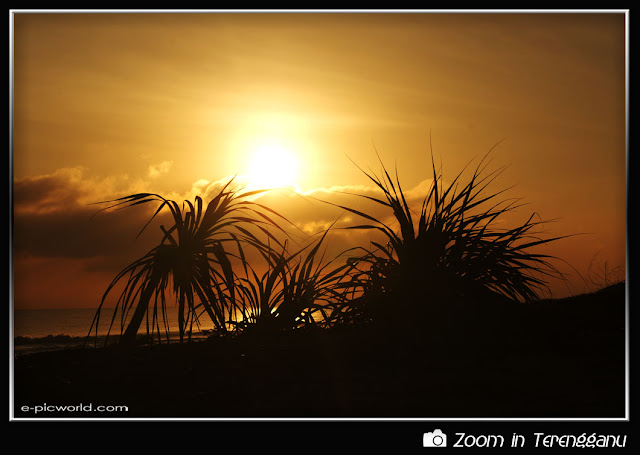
109 104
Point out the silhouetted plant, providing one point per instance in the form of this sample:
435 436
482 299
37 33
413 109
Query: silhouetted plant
298 289
452 244
194 257
601 275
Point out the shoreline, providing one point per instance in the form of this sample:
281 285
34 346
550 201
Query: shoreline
566 361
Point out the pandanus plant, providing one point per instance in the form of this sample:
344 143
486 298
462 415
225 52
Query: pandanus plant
195 257
451 243
298 289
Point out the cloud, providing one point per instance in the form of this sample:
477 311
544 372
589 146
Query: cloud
47 193
156 170
56 226
68 188
65 253
56 215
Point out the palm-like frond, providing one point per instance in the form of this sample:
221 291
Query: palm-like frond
452 241
297 289
194 255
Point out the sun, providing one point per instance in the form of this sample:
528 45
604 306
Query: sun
272 165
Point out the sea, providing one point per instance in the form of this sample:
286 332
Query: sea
55 329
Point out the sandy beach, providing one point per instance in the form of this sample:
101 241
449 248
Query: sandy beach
553 359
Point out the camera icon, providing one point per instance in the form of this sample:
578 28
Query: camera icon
435 439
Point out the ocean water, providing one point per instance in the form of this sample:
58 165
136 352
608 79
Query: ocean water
40 323
52 329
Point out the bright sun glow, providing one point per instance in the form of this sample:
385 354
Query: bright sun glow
272 166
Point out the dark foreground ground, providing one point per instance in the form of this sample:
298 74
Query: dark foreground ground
553 359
